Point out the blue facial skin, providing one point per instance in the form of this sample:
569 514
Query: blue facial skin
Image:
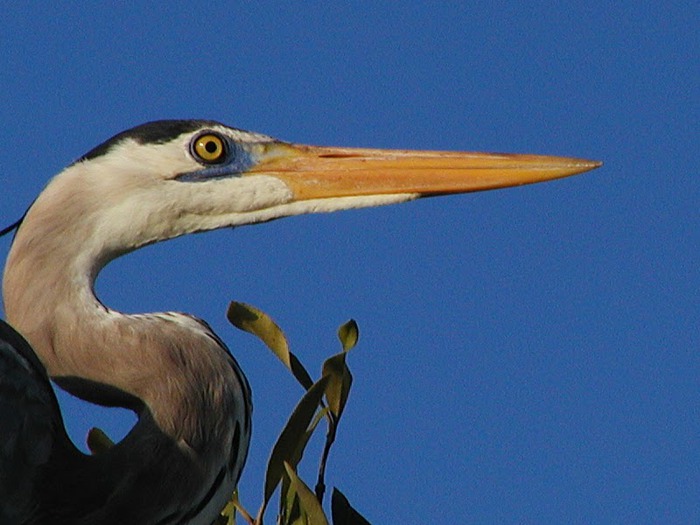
238 159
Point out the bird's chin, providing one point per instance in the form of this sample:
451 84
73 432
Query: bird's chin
325 206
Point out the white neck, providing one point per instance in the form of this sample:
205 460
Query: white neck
154 363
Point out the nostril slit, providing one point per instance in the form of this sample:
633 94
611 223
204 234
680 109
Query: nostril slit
337 156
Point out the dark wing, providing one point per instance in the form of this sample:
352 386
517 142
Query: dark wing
30 422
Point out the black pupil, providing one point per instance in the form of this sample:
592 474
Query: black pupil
211 146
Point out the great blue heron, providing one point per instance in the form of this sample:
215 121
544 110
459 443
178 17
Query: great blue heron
160 180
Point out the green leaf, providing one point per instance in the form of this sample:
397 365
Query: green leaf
231 509
343 513
299 372
303 440
339 383
254 321
348 334
286 447
290 513
308 504
222 520
98 441
286 504
227 516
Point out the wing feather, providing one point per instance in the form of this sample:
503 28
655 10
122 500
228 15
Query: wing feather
29 421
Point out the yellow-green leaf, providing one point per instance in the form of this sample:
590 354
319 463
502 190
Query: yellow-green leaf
290 513
254 321
227 516
348 334
287 501
286 447
309 505
339 383
223 520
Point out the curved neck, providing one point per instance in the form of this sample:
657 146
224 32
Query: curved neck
48 296
155 364
103 356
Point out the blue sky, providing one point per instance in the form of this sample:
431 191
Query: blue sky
527 355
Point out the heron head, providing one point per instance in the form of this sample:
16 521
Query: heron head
168 178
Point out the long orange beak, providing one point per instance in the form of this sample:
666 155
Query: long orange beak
314 172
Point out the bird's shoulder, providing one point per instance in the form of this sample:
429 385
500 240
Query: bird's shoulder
188 326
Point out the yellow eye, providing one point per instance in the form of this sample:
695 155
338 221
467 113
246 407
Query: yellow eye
209 148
